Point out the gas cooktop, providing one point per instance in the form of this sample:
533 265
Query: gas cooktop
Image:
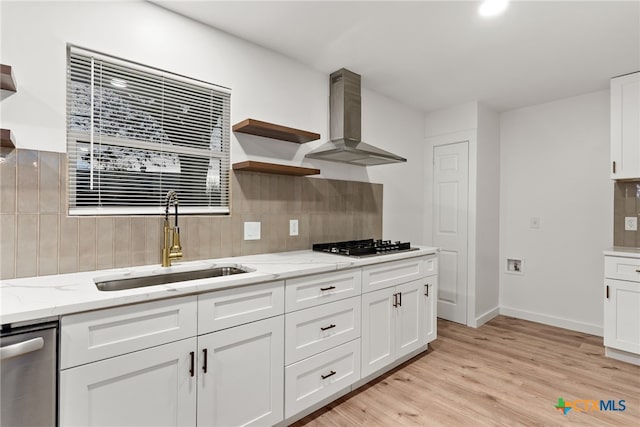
362 248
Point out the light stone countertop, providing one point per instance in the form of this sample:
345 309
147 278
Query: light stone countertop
623 251
33 298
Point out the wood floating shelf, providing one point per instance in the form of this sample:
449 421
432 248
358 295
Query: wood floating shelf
270 130
7 82
251 166
6 139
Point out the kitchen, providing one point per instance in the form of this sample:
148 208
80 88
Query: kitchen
552 162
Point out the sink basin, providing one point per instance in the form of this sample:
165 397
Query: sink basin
164 278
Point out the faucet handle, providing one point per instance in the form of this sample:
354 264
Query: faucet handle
176 248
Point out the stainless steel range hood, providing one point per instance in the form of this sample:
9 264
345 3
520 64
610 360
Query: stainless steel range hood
345 110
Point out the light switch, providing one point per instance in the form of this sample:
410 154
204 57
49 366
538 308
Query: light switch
293 227
251 231
630 223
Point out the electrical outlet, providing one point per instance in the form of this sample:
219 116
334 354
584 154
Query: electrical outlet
293 227
252 231
630 223
534 222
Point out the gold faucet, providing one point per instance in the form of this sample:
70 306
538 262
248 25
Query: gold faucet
171 248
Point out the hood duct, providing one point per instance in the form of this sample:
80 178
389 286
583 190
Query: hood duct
345 114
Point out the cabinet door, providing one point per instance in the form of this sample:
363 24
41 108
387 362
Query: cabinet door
430 289
622 315
151 387
244 380
409 327
378 316
625 126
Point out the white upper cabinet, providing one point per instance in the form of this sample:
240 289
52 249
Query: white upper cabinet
625 126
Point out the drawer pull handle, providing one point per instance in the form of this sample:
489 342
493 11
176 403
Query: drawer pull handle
327 327
637 270
330 374
204 363
328 288
191 366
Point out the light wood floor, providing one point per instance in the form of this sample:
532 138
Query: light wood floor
509 372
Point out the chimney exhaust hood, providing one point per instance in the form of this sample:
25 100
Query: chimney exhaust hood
345 111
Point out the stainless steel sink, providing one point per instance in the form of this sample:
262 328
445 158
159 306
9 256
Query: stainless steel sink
164 278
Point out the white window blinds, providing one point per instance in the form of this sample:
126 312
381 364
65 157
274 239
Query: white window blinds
135 132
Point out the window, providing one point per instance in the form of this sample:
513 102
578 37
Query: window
135 132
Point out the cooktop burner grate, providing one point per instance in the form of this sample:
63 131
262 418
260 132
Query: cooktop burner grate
366 247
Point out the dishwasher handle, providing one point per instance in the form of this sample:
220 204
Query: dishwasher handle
21 348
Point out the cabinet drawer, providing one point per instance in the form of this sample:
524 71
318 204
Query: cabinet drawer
313 379
231 307
317 329
393 273
96 335
622 268
309 291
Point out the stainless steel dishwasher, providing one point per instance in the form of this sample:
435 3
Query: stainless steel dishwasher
29 372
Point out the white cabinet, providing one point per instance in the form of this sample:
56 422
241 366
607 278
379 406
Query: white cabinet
152 387
625 126
392 324
318 377
622 308
622 315
430 291
240 380
144 365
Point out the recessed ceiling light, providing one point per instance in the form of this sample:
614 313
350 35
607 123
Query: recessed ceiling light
492 7
118 82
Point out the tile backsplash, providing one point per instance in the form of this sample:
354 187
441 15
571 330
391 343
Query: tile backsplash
626 203
37 237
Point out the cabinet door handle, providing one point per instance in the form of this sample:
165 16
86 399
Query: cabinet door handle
204 363
426 290
328 327
330 374
395 300
637 270
607 291
192 355
614 167
328 288
400 299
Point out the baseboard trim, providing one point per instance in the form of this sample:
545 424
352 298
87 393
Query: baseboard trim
621 355
487 316
559 322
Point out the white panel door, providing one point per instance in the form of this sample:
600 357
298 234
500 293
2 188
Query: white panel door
244 381
378 316
409 328
450 229
152 387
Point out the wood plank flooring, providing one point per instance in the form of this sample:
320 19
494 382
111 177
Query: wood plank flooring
509 372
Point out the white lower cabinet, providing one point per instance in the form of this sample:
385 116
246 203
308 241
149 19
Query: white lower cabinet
318 377
429 308
240 381
392 324
622 315
152 387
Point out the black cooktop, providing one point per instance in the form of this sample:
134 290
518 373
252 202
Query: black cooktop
361 248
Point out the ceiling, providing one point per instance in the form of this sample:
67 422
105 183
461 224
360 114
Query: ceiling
432 55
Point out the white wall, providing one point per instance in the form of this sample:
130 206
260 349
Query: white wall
487 218
555 166
265 86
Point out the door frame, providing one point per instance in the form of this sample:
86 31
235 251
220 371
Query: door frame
452 138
